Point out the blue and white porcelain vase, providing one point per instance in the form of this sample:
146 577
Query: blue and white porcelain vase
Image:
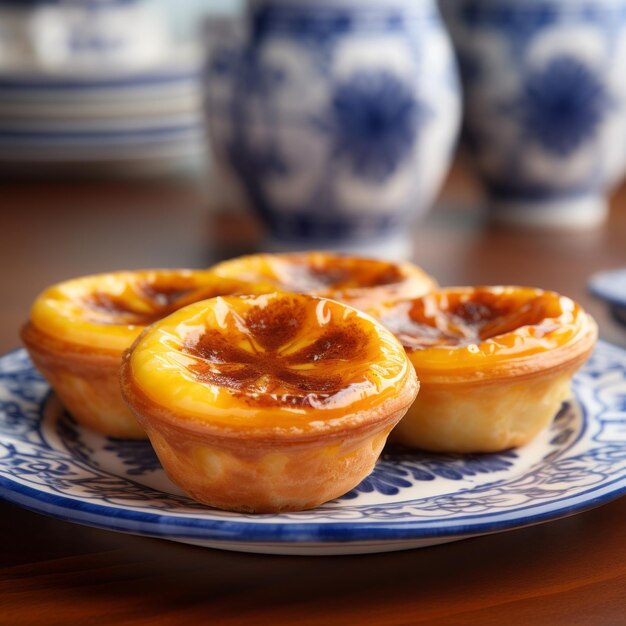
338 118
545 96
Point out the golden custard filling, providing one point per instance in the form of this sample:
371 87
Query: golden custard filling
343 278
108 311
278 362
495 364
79 329
473 332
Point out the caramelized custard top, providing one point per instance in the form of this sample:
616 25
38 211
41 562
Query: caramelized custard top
282 352
457 319
276 366
453 329
323 273
342 278
109 310
144 301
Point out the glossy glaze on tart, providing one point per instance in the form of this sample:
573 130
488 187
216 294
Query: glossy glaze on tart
268 403
356 281
495 364
79 329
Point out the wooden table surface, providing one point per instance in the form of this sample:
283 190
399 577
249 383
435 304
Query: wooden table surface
571 571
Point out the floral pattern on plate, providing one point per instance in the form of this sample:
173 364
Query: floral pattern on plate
49 464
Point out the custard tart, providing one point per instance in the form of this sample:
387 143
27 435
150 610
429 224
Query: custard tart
495 364
79 329
267 403
355 281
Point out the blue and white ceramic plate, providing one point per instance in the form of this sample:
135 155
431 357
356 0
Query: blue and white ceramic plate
611 287
52 466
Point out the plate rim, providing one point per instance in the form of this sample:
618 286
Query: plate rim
291 534
250 530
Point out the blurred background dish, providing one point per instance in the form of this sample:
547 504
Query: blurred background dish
97 86
336 120
610 286
545 104
73 35
139 117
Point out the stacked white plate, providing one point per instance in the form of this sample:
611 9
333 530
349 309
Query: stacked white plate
129 120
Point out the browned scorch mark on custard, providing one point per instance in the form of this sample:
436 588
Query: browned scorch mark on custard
271 377
276 324
340 274
463 320
376 275
164 293
105 308
157 299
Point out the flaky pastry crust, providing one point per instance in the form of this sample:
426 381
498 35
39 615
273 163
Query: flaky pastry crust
359 282
267 403
79 329
495 364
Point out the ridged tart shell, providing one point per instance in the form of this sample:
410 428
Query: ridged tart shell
78 330
495 364
267 403
355 281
